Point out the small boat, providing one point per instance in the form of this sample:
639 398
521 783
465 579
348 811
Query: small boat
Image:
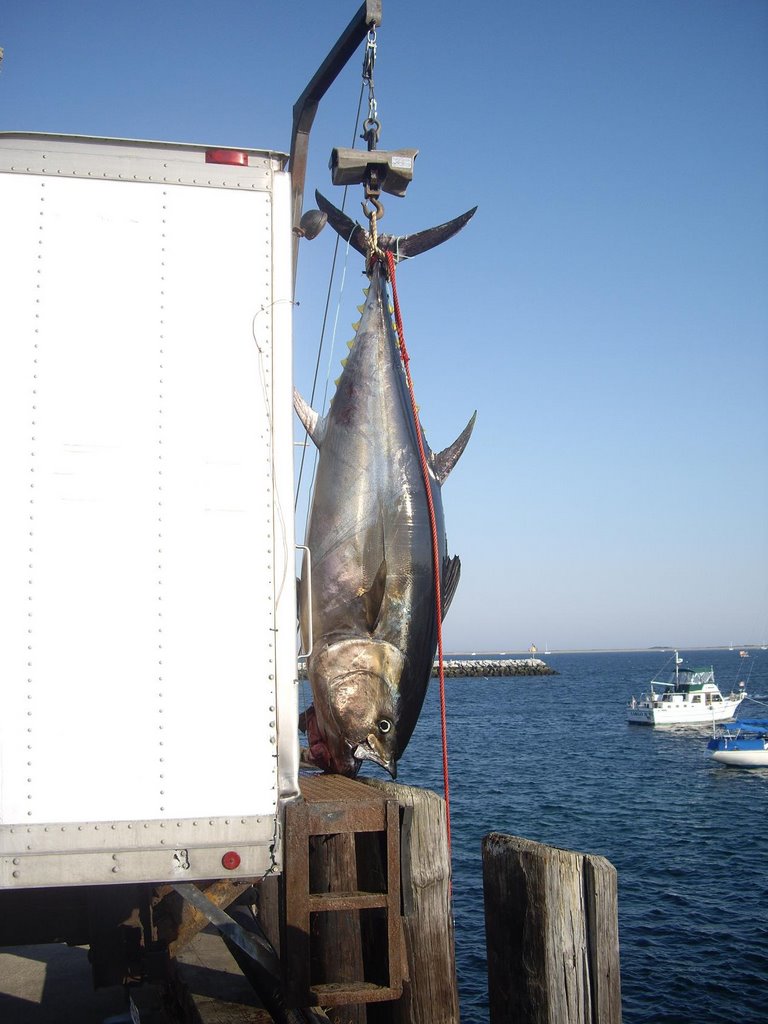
690 697
743 743
743 654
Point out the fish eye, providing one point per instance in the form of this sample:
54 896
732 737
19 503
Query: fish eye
385 725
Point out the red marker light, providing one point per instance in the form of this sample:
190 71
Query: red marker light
233 157
231 860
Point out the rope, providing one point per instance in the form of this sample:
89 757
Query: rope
433 526
374 252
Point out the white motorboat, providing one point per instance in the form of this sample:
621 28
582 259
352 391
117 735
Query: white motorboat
690 697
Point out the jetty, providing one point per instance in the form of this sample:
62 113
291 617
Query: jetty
482 667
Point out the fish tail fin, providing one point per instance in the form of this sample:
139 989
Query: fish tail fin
405 246
401 246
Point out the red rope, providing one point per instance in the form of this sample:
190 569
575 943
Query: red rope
433 527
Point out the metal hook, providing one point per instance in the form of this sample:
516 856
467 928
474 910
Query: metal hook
378 212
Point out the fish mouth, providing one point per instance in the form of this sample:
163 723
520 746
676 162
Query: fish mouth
367 752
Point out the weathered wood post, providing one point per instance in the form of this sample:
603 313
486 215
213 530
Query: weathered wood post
339 957
551 922
430 994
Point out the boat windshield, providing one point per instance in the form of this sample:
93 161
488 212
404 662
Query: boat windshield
688 679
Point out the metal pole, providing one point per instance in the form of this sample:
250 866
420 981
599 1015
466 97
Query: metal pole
305 107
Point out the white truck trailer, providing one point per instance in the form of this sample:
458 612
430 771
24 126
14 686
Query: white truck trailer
148 726
148 709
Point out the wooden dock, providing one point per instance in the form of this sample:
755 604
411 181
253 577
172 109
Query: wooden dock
362 920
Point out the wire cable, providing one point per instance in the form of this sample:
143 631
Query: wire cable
325 312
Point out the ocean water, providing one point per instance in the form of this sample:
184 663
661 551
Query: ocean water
554 760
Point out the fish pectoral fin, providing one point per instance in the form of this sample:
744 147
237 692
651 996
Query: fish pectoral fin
451 576
314 424
373 597
445 460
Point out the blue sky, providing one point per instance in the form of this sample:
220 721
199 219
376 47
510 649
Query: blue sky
606 311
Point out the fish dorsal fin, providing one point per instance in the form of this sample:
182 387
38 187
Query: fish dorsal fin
314 424
451 576
373 597
445 460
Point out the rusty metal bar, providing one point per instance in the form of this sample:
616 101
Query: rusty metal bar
295 944
395 938
347 901
255 957
254 945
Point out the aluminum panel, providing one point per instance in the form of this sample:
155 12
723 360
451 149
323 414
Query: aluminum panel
115 852
133 161
139 595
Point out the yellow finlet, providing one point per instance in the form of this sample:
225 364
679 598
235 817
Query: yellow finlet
361 307
351 344
343 362
356 326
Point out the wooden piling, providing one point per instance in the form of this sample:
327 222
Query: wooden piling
551 919
430 994
336 937
351 851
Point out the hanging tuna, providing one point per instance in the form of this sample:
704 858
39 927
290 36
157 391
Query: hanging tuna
373 615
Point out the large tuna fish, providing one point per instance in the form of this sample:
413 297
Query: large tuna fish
373 618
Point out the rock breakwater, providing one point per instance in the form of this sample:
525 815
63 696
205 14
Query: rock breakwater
482 667
495 667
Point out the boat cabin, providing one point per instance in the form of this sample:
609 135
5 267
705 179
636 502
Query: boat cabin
691 696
